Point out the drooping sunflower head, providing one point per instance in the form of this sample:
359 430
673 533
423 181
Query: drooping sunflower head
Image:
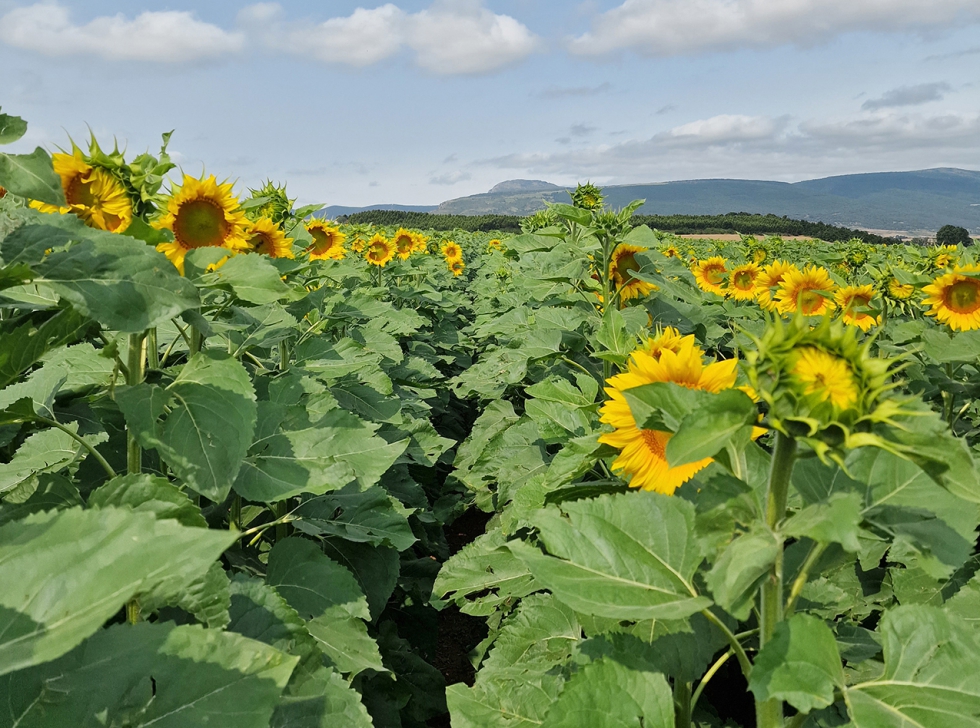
328 240
265 238
621 267
421 243
768 282
711 275
855 303
954 298
742 282
944 255
404 242
808 291
642 457
93 193
202 213
451 250
456 266
358 244
379 250
759 254
820 383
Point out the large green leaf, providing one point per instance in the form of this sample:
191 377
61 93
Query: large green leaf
253 278
626 556
31 176
156 675
321 700
606 694
800 665
260 613
47 451
707 430
149 493
122 283
344 639
339 449
740 569
932 660
206 434
74 569
12 128
835 521
369 516
24 346
310 582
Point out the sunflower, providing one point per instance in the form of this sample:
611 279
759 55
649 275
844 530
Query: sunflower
769 278
265 238
759 254
421 243
669 339
358 244
853 300
451 251
404 242
642 454
955 299
621 266
92 193
494 244
379 250
328 241
741 282
900 291
711 275
671 251
202 214
807 292
456 266
944 256
822 374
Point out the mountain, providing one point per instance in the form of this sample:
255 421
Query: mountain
523 185
913 202
332 212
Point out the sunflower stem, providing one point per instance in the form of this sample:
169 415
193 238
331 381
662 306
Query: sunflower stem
196 340
283 355
682 704
152 349
134 376
769 713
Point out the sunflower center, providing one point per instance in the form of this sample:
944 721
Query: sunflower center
321 240
404 244
858 302
964 296
624 265
743 280
810 301
261 244
651 438
79 192
714 275
200 224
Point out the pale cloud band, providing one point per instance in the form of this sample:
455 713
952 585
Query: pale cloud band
679 27
449 37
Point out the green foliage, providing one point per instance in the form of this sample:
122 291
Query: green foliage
953 235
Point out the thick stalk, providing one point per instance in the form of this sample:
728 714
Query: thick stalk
682 704
769 713
134 376
152 349
283 355
195 342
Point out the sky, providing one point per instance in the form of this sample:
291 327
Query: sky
419 101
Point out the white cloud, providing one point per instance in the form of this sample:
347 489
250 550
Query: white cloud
921 93
674 27
767 148
360 39
463 37
450 37
165 36
449 178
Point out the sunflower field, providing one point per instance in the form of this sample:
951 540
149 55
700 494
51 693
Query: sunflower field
258 469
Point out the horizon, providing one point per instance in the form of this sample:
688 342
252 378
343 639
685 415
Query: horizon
439 99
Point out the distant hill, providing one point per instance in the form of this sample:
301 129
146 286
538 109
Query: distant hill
914 202
523 185
334 211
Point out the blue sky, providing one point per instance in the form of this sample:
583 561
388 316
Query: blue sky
415 102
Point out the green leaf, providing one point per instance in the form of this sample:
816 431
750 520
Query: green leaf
627 556
12 128
800 665
376 569
487 572
932 660
46 451
152 675
344 639
965 604
368 516
260 613
74 569
23 347
711 427
740 569
543 632
322 700
252 278
311 583
206 435
606 694
122 283
339 449
662 405
31 176
835 521
151 494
